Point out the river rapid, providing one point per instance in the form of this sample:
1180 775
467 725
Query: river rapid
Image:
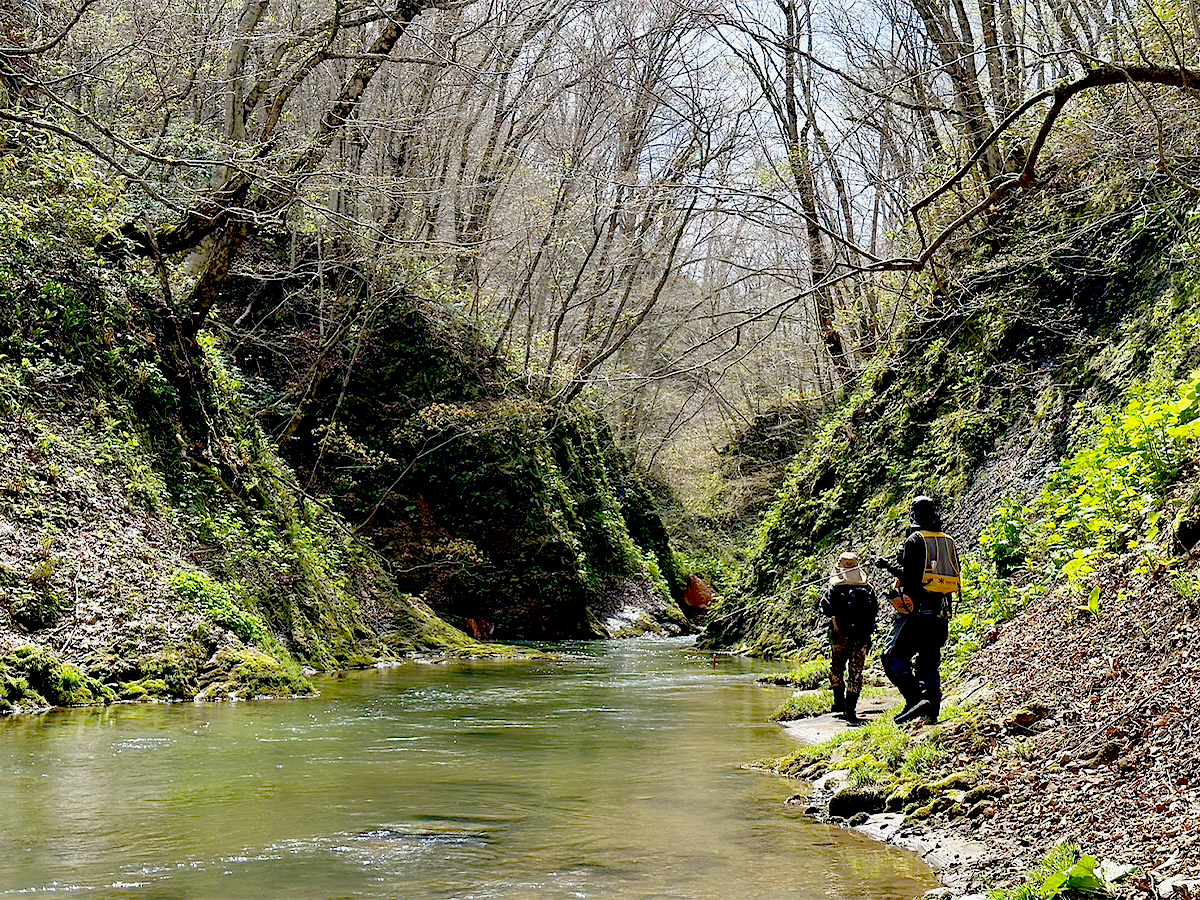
610 770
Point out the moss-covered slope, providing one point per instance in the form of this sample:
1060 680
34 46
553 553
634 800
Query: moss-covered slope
154 542
512 518
144 552
1003 370
1073 681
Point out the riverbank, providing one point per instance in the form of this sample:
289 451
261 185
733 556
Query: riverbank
167 531
1084 737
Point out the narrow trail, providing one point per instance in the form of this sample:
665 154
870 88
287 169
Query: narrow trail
817 729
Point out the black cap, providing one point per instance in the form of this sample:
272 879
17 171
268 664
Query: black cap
924 510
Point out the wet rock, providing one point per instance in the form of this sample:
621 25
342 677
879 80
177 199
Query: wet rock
850 801
883 827
831 782
954 781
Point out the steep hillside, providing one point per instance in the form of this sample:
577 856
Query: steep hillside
142 553
511 517
155 543
1003 371
1049 399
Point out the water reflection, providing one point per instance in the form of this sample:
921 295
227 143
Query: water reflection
613 771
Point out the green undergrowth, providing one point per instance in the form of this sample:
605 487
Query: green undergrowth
34 678
174 528
1108 496
898 768
287 567
1108 504
880 752
510 516
1060 317
1069 873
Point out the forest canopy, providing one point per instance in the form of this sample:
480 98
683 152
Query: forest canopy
698 211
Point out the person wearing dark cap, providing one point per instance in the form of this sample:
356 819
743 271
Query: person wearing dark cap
927 572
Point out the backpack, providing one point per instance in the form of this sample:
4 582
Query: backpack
853 608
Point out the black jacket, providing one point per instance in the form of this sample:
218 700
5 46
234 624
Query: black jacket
910 568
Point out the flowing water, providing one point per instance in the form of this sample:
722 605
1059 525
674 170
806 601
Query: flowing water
613 770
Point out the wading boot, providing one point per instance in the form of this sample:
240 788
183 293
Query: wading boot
909 702
839 700
850 713
922 709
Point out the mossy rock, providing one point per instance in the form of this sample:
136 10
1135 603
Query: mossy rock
32 677
635 623
962 781
858 819
238 672
908 794
850 801
947 805
984 791
176 672
357 660
168 674
146 689
921 813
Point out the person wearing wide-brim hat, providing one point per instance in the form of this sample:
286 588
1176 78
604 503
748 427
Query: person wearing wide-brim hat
852 607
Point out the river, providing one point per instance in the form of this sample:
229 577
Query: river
612 770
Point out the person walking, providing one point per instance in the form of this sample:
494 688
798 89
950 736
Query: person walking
927 572
852 607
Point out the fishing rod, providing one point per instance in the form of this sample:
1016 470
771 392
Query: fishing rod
870 560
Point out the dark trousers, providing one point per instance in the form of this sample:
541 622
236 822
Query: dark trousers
914 655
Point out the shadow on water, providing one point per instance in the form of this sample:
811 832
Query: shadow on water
610 770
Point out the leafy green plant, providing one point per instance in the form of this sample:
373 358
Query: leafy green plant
215 601
1106 498
1112 490
1005 537
1091 606
1066 872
